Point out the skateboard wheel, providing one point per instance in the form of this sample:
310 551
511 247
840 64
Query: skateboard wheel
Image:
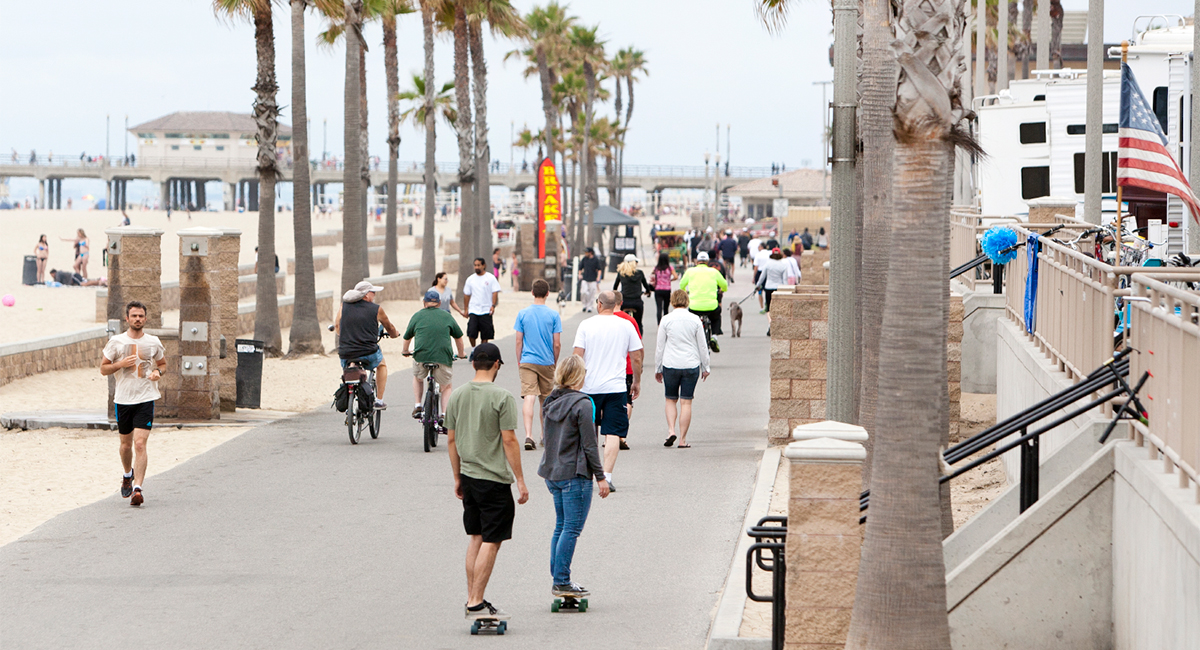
503 627
475 627
583 605
556 605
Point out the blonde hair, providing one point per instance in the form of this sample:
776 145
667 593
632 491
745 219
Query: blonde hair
570 372
679 298
627 268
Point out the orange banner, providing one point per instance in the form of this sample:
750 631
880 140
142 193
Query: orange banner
549 203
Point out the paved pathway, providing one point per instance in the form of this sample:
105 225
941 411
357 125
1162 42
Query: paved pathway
289 537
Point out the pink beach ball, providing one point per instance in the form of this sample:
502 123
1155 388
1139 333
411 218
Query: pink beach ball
8 300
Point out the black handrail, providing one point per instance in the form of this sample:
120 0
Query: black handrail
777 567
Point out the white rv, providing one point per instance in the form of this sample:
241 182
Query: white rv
1033 133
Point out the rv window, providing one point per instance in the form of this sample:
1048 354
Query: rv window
1160 106
1080 129
1033 132
1039 98
1035 182
1109 171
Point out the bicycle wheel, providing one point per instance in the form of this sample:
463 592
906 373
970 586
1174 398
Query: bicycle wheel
429 418
352 416
374 417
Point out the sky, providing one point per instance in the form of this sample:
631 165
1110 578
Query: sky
710 62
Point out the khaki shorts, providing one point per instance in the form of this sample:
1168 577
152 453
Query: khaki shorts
443 375
535 379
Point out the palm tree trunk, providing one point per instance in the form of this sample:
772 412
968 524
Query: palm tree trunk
390 263
354 252
364 141
625 132
589 76
876 119
466 146
1056 25
548 108
266 113
483 152
429 233
610 178
614 182
305 335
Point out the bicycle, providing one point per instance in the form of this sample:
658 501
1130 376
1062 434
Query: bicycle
360 408
431 415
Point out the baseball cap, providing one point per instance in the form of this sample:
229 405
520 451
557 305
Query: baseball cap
775 250
702 256
590 249
486 352
631 257
433 296
364 287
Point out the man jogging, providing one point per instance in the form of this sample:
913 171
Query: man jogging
591 273
483 294
539 339
603 341
485 458
138 361
702 283
433 328
728 248
357 327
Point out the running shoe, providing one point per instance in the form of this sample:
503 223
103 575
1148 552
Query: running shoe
380 405
570 590
529 444
713 345
137 497
486 610
126 486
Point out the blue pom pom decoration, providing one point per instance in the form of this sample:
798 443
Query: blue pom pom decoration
996 239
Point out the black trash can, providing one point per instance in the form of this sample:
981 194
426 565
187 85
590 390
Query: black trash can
29 271
249 373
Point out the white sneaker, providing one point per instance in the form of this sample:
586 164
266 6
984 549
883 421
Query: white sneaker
380 405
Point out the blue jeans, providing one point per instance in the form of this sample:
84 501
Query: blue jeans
572 500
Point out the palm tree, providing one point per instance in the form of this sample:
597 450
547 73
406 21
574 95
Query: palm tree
429 8
266 118
547 37
305 335
588 49
415 98
391 8
466 143
354 251
626 65
900 601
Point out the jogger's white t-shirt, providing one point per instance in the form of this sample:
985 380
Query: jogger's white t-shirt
133 384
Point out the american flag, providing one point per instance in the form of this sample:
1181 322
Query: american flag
1143 159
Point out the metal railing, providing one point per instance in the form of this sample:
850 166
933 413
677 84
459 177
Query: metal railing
777 531
1165 329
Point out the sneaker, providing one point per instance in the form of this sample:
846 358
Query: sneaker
611 487
486 610
126 486
762 311
570 590
380 405
529 445
713 345
417 412
137 497
624 446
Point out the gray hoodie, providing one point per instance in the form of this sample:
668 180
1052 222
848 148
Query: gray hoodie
570 448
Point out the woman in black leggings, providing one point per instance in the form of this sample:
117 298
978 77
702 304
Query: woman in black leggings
632 283
662 277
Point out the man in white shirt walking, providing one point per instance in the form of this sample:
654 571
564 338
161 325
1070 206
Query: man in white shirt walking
604 341
760 258
138 361
483 293
680 360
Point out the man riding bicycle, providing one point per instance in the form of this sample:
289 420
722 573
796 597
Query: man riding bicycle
433 328
702 284
357 325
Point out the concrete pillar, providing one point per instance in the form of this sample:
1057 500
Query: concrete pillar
199 324
225 301
134 273
252 202
164 193
314 193
799 331
58 195
230 196
201 197
824 538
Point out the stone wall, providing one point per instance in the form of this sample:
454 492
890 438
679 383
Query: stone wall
450 263
451 246
170 384
248 285
375 255
402 230
325 311
327 238
812 267
398 286
799 329
320 263
80 349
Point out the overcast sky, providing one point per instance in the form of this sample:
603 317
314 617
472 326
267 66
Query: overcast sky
65 65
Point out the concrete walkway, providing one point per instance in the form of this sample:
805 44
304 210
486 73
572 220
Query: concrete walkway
289 537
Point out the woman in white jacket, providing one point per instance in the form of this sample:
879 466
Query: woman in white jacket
680 361
775 273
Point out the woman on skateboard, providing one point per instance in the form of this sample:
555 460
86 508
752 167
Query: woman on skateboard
570 461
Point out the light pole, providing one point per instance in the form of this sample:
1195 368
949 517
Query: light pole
107 135
324 139
717 183
127 138
824 140
704 200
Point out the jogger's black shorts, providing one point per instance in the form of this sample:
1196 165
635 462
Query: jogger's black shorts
134 416
480 325
488 509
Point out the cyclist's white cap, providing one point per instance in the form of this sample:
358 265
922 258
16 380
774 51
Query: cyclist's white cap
364 287
630 257
702 257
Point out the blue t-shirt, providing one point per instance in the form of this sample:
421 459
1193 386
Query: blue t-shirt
538 324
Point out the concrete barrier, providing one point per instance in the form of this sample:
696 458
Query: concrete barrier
325 307
327 238
248 286
450 263
375 255
398 286
451 246
320 263
80 349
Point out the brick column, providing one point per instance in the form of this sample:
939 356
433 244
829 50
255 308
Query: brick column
824 537
799 329
135 272
199 324
166 406
225 301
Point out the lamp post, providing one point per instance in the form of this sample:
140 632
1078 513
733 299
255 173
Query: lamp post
716 189
107 135
704 200
127 139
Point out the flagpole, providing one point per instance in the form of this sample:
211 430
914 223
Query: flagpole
1120 211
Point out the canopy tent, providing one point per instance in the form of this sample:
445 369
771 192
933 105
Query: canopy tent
609 216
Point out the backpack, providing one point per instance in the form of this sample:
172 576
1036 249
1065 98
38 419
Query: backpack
341 398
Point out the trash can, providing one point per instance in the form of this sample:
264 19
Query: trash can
29 271
614 260
249 373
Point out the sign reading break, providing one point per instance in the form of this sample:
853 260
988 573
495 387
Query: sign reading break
549 204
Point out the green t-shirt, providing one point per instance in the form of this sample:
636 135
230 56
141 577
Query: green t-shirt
434 329
477 413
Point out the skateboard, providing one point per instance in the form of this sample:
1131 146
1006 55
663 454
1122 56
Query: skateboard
568 604
489 625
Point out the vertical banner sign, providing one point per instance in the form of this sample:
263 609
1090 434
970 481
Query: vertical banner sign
549 206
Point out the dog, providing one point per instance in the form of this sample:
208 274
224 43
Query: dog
735 320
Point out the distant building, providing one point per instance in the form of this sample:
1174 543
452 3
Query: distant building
219 137
801 187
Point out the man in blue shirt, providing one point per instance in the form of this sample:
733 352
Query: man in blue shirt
539 330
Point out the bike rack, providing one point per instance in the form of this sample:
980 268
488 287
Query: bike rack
777 566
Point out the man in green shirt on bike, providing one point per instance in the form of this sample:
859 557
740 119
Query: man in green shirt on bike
433 328
702 283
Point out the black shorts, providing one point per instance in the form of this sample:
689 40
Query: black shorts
134 416
480 326
611 417
488 509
